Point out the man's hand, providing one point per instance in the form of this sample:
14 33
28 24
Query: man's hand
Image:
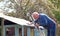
30 23
37 24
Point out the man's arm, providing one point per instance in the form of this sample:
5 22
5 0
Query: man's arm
50 20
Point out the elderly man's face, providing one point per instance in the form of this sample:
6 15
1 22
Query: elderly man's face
35 16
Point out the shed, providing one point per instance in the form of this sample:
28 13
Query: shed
19 27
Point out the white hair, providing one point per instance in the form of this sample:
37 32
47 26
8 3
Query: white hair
34 14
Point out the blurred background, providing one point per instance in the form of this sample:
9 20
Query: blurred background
24 9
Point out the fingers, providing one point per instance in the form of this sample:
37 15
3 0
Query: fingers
37 24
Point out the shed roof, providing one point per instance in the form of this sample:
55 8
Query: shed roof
19 21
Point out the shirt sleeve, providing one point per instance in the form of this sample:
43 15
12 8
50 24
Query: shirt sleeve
36 21
50 21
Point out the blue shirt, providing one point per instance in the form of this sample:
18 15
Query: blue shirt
47 22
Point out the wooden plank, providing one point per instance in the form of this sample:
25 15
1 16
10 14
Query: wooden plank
28 31
4 31
22 30
36 32
25 31
2 26
16 31
32 32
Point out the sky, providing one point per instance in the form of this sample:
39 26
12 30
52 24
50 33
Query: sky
6 5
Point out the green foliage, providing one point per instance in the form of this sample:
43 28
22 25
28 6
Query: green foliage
58 4
57 15
56 12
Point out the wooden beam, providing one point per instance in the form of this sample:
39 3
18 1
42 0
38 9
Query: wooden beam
2 26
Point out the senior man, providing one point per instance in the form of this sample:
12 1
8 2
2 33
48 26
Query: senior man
45 21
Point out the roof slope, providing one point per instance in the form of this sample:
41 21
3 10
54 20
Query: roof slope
19 21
